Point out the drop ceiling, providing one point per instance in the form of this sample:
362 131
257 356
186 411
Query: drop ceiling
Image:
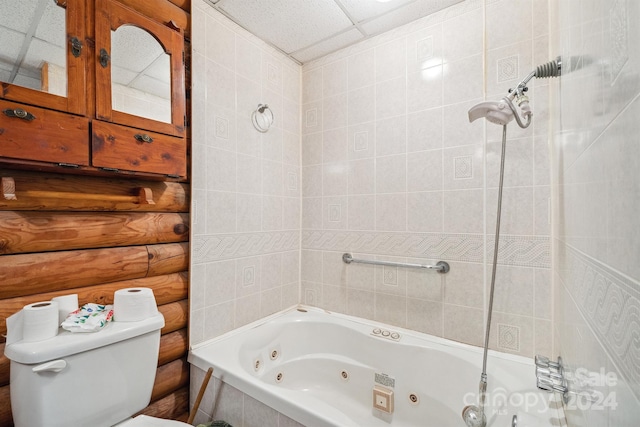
309 29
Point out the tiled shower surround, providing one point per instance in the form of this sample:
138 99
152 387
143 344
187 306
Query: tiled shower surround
372 153
392 170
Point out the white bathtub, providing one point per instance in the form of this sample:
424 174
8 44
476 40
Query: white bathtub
320 368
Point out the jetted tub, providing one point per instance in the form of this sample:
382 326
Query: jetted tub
320 369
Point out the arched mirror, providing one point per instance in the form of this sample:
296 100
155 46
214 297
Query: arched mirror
139 70
41 50
140 74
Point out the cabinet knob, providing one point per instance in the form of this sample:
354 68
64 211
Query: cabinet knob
104 58
143 137
19 113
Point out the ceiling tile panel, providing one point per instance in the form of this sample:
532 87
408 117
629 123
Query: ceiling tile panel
135 47
41 51
52 25
160 69
330 45
309 29
122 76
406 14
290 25
366 9
11 44
17 15
152 86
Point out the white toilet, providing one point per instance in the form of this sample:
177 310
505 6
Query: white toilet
95 379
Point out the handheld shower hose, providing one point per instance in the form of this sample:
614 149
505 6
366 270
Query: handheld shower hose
474 416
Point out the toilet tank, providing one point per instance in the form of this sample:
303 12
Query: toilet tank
85 379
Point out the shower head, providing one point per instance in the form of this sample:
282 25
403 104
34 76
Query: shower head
503 111
497 112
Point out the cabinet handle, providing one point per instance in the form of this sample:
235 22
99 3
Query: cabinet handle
76 47
104 58
143 137
19 113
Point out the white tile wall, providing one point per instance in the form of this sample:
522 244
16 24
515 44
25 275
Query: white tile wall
372 153
595 186
415 165
246 185
387 156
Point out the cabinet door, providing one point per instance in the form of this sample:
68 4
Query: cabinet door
31 133
139 70
43 54
122 148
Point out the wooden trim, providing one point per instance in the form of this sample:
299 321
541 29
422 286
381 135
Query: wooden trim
171 406
168 196
182 4
175 315
170 377
4 367
50 231
5 409
163 11
172 346
44 77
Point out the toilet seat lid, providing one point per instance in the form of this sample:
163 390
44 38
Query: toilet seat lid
146 421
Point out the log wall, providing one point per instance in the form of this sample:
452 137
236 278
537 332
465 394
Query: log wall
88 235
55 250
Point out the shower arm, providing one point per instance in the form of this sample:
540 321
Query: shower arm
522 86
522 100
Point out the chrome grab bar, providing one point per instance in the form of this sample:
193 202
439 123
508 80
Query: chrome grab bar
440 267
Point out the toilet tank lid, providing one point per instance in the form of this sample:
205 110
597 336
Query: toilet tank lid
69 343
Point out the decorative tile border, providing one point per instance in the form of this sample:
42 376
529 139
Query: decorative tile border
215 247
523 251
528 251
610 303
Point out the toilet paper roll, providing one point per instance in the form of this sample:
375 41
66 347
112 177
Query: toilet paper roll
40 321
66 304
133 304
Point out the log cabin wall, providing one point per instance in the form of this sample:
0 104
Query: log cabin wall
69 234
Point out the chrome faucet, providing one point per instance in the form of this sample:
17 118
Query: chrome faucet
550 376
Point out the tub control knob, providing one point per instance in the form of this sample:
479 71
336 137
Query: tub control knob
377 331
395 335
385 333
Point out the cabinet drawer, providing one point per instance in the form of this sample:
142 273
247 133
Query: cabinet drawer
125 148
44 135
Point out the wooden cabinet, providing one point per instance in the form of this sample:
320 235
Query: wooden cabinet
112 17
124 109
72 37
116 147
32 133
